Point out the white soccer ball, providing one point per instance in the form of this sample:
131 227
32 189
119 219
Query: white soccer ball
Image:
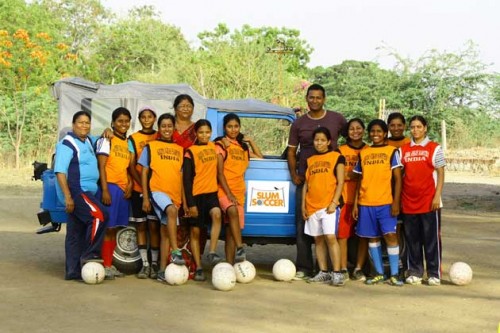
223 277
460 273
176 275
93 273
284 270
245 271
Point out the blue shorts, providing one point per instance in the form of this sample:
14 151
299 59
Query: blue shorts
119 208
375 221
160 201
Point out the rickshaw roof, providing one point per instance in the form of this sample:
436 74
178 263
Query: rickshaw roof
74 94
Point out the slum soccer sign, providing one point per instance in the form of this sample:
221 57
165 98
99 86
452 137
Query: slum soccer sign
268 196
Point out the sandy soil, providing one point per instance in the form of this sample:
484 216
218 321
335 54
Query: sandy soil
35 297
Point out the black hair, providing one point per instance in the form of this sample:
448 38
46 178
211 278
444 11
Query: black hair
78 114
345 129
419 118
166 116
323 130
233 116
181 98
316 86
200 123
380 123
396 115
120 111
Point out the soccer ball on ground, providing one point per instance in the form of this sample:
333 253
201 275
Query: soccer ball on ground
245 271
176 275
460 273
223 277
284 270
93 273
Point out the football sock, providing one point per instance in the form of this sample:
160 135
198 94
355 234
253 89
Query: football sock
375 251
154 254
143 251
393 253
107 253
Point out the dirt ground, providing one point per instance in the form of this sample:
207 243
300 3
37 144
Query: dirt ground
35 298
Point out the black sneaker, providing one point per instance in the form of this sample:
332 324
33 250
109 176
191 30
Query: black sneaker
358 275
214 258
144 272
153 274
177 257
161 277
240 255
199 275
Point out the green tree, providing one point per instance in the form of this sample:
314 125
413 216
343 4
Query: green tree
446 86
137 44
231 65
356 87
79 21
28 63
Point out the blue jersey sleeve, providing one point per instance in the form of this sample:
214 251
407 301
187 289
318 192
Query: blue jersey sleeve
357 167
144 158
64 154
131 146
396 160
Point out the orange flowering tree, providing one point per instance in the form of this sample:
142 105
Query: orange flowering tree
29 63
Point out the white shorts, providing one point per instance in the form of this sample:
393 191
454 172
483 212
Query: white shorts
320 223
160 201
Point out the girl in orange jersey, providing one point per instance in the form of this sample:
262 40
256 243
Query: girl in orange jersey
233 156
350 150
142 220
161 180
397 126
375 203
114 158
321 205
200 186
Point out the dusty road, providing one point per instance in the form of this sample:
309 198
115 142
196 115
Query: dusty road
35 298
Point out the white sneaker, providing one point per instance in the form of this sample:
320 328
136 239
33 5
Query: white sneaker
434 281
413 280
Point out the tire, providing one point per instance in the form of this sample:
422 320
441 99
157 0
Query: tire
126 257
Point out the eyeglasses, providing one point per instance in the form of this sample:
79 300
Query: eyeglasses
184 106
85 123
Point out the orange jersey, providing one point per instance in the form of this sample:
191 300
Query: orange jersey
204 159
351 155
398 142
165 168
139 140
321 180
117 150
375 165
236 161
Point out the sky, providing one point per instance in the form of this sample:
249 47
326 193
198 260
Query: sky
347 29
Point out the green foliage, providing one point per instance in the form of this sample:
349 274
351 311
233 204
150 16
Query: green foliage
44 40
138 44
355 88
454 87
231 65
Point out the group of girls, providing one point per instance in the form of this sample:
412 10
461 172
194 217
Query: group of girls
204 183
394 176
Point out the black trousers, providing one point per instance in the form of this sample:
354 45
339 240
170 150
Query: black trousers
304 261
423 240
